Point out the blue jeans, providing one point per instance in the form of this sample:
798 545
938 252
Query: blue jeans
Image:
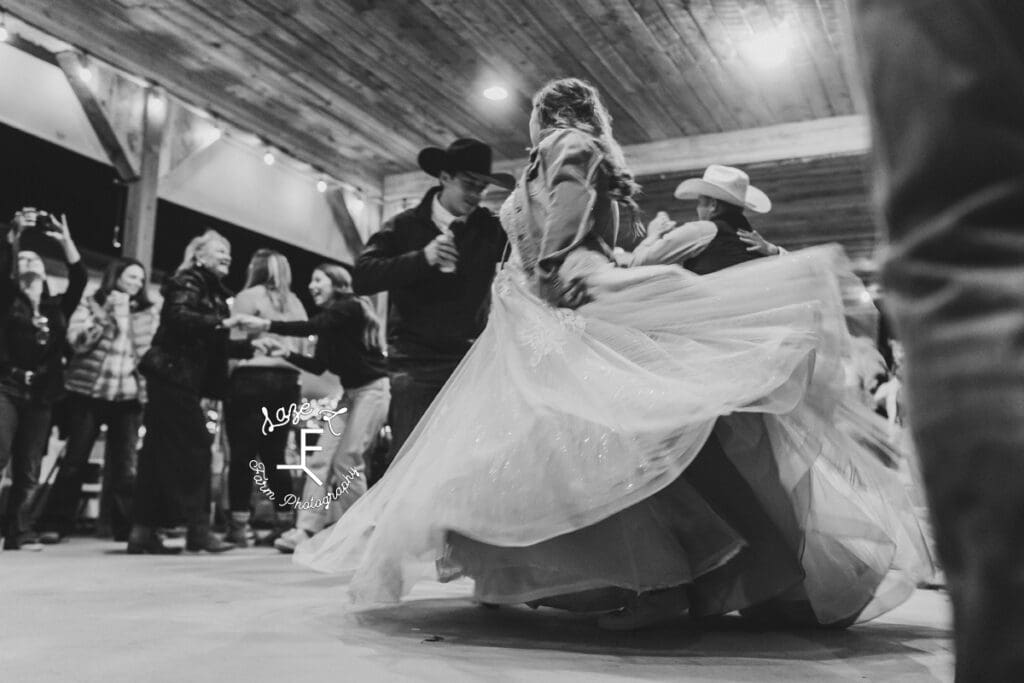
945 92
24 435
340 462
85 417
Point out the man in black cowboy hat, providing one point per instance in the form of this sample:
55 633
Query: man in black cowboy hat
437 262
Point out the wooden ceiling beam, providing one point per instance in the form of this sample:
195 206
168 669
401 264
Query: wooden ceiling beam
124 37
823 137
98 115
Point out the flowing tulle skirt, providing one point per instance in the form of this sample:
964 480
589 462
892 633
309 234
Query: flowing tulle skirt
581 453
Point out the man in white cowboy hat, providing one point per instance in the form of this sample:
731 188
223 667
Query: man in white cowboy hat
436 261
722 236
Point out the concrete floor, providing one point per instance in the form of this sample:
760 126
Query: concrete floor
85 611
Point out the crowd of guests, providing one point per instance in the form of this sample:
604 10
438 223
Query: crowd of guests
116 359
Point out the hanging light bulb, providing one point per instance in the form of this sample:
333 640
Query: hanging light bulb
321 186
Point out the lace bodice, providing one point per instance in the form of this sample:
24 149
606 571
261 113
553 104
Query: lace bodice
513 215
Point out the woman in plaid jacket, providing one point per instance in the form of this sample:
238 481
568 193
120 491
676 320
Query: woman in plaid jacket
108 333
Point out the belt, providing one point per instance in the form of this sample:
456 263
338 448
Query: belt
24 378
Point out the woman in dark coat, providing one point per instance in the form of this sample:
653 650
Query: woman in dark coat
187 362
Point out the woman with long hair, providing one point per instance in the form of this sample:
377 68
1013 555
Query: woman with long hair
349 344
573 458
188 361
258 382
109 332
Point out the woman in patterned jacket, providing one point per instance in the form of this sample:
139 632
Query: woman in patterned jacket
108 333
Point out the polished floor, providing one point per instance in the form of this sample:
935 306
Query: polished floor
85 611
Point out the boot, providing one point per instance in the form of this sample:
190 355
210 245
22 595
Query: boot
238 529
143 540
200 538
283 521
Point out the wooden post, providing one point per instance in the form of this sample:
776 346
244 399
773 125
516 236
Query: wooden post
140 212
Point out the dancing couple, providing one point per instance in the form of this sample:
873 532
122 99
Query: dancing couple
639 441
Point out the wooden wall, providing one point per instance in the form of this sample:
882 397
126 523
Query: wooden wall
815 201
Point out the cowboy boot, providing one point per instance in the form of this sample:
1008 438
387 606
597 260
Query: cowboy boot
238 529
199 538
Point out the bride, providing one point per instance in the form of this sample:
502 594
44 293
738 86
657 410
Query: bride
640 442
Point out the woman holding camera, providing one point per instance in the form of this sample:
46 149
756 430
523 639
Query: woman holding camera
109 332
33 326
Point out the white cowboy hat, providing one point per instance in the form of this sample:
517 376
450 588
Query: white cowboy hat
727 184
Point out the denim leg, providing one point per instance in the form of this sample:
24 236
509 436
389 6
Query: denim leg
30 441
83 423
123 420
947 111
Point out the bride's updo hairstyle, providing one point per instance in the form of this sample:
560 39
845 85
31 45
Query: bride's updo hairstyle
574 103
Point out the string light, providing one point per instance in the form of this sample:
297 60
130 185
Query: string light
218 130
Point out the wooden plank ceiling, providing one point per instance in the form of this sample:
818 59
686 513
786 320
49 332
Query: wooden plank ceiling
358 87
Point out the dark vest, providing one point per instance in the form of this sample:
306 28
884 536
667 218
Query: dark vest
725 249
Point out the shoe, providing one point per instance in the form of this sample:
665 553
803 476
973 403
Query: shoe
209 542
151 546
238 529
291 539
50 537
649 609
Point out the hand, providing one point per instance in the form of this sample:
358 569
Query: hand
269 346
246 322
757 243
118 299
441 252
659 225
60 231
25 218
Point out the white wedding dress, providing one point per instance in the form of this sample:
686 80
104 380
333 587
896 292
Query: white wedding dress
549 465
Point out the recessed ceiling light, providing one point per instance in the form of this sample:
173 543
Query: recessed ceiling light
496 92
268 159
769 50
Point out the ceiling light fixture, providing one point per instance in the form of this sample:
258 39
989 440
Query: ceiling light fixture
496 92
321 186
770 49
268 159
85 74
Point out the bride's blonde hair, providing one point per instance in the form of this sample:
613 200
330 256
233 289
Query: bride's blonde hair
574 103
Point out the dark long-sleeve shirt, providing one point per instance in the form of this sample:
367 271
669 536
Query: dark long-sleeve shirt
340 348
433 316
20 339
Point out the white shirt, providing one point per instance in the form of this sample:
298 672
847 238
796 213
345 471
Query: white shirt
675 246
441 216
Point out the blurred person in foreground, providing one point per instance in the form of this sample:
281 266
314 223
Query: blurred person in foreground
947 109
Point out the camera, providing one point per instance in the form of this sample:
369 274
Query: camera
44 222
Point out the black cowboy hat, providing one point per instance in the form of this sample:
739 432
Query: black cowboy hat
465 155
